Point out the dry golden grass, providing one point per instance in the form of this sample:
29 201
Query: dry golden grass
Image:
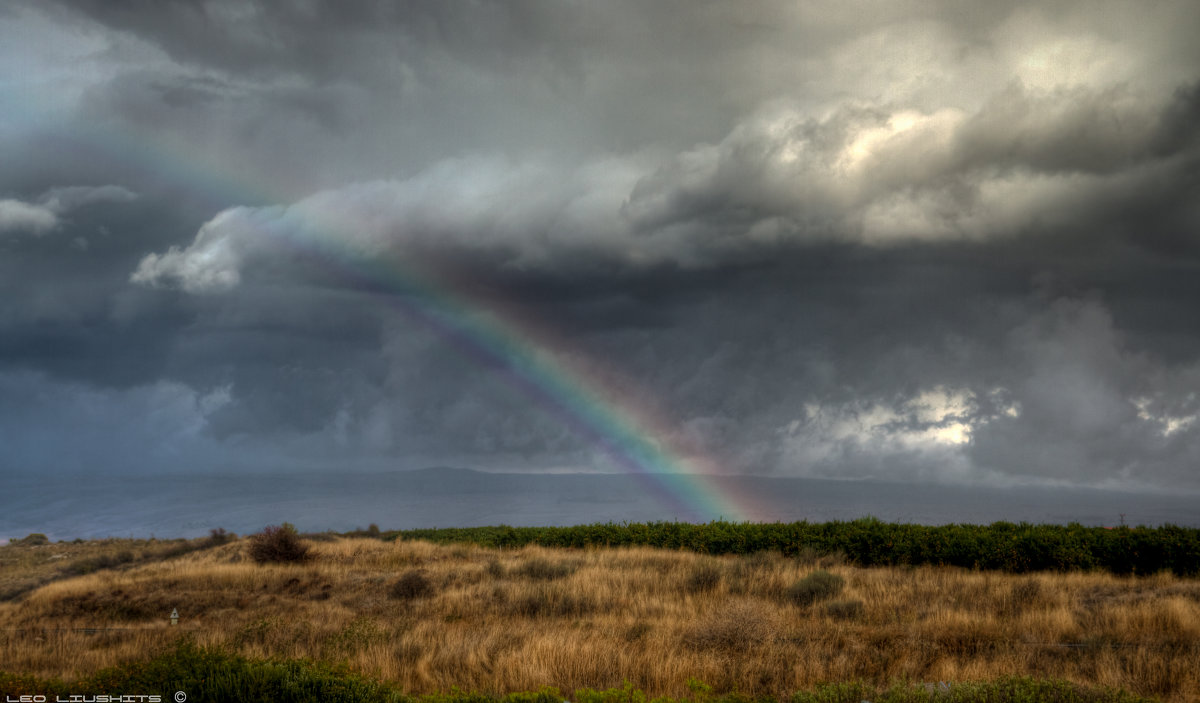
24 568
504 621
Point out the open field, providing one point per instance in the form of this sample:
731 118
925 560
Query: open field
431 617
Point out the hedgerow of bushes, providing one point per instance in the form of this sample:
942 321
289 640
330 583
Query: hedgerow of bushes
1002 546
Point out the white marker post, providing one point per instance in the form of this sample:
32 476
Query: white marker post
174 616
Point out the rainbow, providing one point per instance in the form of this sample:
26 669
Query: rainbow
635 438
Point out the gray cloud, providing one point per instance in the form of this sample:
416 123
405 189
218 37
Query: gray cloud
52 428
1089 405
65 199
528 76
45 214
930 242
16 216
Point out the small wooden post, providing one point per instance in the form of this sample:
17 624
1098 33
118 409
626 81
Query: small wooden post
174 616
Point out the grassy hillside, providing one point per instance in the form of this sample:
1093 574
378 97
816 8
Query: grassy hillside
427 618
34 561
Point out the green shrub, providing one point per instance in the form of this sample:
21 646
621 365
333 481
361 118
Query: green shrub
278 544
844 609
411 585
818 586
33 539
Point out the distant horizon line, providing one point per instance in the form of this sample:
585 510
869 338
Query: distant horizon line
326 472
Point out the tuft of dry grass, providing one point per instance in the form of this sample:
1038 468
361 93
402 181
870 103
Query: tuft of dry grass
740 626
499 621
817 586
545 569
412 584
703 577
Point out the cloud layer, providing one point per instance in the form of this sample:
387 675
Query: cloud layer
930 242
1026 164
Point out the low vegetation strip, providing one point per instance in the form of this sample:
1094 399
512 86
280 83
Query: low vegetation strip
1001 546
207 674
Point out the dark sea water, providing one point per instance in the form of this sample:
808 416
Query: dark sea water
190 506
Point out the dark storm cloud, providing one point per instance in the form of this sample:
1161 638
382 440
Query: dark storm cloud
328 42
1020 165
1021 168
53 427
405 85
940 241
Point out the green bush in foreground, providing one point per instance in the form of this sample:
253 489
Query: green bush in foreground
210 675
844 609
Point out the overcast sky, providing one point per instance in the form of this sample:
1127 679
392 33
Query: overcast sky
911 240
